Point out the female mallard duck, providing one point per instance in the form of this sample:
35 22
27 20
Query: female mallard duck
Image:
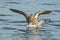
31 18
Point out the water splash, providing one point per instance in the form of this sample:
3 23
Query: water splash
35 28
38 24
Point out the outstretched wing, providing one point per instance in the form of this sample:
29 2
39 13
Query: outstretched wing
20 12
41 12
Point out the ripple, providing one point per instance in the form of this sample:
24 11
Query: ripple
17 22
4 15
48 4
3 20
56 21
48 21
48 39
52 14
53 21
22 30
9 28
55 24
12 2
20 25
2 7
56 10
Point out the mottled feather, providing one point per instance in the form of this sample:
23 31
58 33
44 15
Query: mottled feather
37 14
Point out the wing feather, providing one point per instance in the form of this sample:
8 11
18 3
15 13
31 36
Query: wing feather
20 12
41 12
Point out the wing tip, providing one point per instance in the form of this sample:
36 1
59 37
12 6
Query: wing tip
12 9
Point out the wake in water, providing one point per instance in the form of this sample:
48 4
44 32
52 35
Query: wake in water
35 28
38 24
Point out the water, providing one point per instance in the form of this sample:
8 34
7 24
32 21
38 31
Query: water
11 27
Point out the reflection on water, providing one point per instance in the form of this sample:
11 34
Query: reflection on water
20 34
17 35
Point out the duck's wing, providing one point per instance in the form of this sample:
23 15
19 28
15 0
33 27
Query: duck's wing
41 12
20 12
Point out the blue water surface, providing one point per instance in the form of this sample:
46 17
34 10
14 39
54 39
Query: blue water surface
10 22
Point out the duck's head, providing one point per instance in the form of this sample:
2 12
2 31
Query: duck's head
31 16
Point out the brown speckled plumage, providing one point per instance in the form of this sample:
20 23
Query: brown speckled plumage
31 19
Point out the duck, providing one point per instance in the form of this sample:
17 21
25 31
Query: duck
33 23
31 18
